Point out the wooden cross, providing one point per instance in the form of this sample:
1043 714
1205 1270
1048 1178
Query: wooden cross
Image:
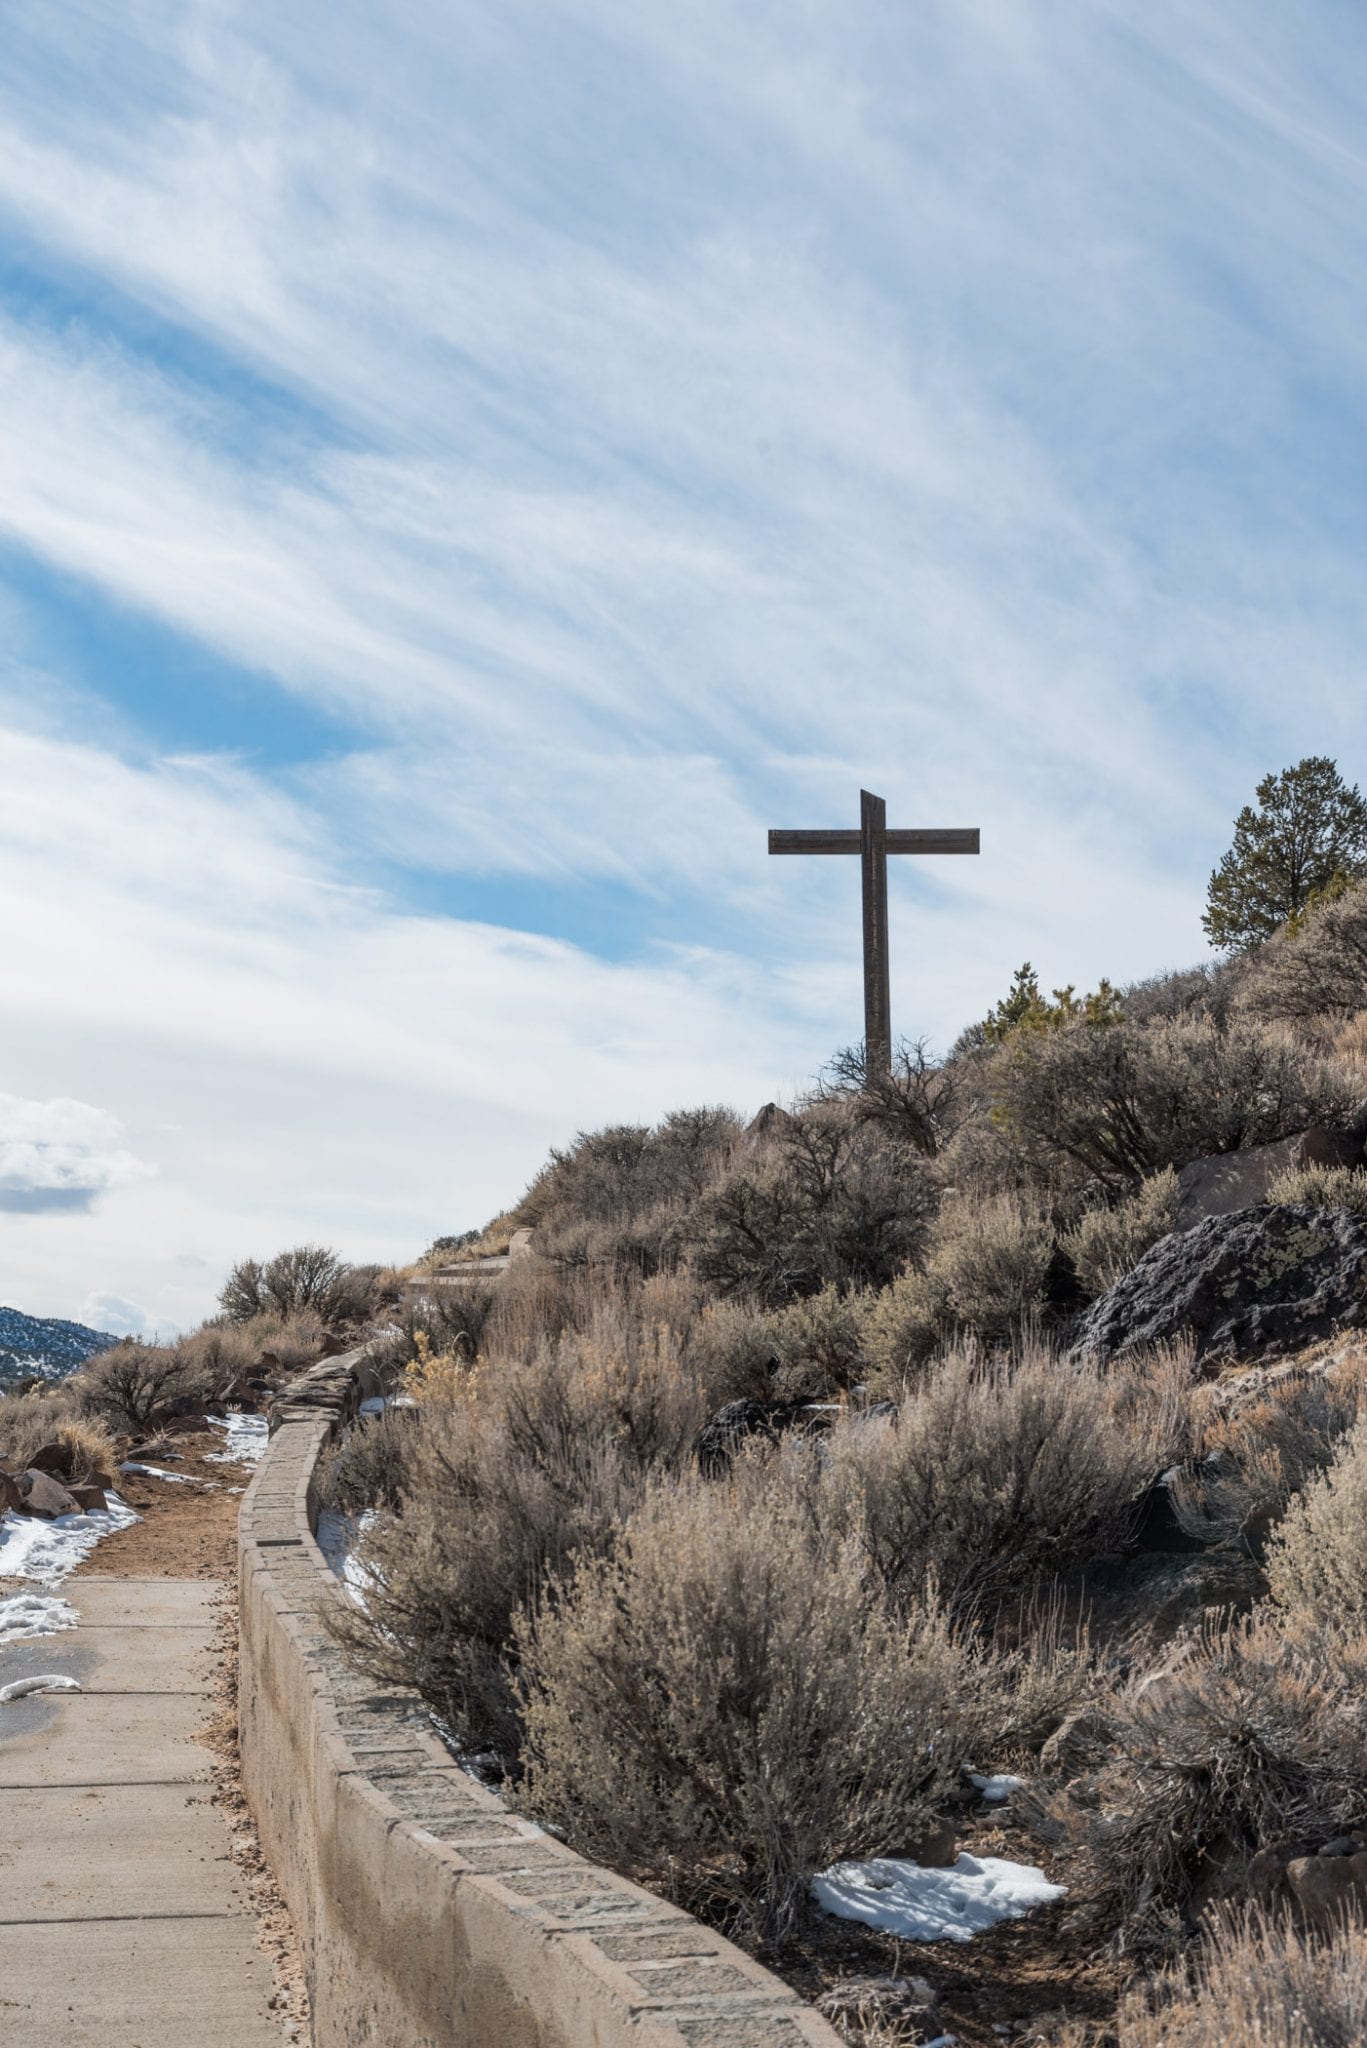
873 843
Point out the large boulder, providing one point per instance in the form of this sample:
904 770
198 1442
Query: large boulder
1227 1181
57 1458
1255 1284
45 1496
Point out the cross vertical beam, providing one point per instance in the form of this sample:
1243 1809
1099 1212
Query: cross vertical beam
873 842
873 851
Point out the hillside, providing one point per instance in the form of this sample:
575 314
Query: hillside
44 1347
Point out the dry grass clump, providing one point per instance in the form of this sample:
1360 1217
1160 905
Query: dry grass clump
29 1421
1248 1736
1256 1980
996 1473
1322 1187
725 1705
1108 1243
1317 1559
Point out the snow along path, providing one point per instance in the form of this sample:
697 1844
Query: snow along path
922 1904
245 1439
45 1553
122 1919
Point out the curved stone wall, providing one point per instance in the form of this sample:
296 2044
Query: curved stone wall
430 1915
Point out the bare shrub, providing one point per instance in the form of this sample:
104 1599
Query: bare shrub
1317 968
819 1343
372 1465
1125 1101
830 1199
309 1276
1322 1187
1108 1243
1256 1979
618 1196
452 1320
136 1386
983 1278
513 1473
732 1353
1317 1559
919 1101
994 1474
1210 990
1250 1736
725 1706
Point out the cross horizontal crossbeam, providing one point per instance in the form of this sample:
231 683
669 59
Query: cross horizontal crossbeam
950 841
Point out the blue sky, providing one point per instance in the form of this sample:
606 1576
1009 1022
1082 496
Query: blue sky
468 471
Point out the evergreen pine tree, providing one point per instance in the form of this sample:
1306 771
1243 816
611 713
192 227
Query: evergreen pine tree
1307 829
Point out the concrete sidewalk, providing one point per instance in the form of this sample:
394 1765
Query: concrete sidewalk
122 1921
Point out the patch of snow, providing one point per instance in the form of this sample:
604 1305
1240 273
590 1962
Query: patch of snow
31 1549
247 1437
917 1904
336 1535
995 1789
157 1472
374 1404
26 1615
52 1681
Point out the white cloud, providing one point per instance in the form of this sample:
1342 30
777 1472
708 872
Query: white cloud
115 1315
58 1157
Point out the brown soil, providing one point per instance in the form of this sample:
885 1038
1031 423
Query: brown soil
188 1530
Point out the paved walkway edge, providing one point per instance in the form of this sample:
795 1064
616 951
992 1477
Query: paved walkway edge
430 1915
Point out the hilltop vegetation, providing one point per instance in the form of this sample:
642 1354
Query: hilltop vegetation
767 1494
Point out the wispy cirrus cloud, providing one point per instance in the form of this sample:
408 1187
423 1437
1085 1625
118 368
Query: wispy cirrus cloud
625 430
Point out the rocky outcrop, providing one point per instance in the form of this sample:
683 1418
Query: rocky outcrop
1261 1282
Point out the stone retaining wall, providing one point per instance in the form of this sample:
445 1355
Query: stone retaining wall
430 1915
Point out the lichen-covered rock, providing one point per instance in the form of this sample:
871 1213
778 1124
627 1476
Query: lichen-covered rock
1254 1284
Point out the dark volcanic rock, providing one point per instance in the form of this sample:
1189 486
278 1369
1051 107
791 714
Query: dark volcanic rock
1250 1285
722 1435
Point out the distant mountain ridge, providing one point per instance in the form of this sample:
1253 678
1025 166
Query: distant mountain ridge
44 1347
